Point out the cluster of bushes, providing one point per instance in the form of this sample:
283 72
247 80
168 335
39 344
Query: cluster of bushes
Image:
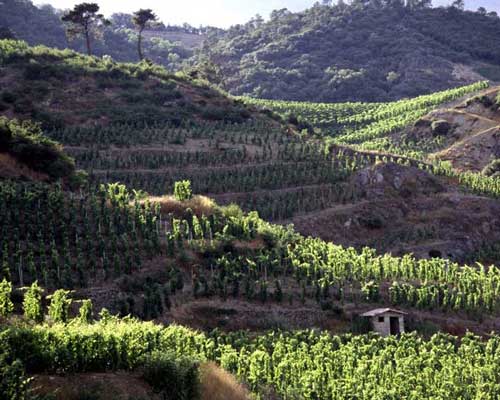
25 141
171 376
13 382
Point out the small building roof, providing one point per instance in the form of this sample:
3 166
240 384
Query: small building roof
379 311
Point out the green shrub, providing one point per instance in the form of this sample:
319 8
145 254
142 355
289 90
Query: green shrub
372 221
5 135
59 306
78 179
32 304
25 142
6 305
85 314
422 327
13 383
370 291
182 190
486 101
175 378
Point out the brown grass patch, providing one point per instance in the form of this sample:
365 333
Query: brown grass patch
217 384
200 205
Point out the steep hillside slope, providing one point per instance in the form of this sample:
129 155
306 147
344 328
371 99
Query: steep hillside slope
62 88
398 207
89 277
355 53
403 209
140 125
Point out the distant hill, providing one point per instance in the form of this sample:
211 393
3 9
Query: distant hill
357 53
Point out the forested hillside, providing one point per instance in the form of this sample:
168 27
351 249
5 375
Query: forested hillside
367 51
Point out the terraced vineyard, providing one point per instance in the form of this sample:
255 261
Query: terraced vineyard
364 124
223 254
377 229
399 132
303 364
48 234
246 163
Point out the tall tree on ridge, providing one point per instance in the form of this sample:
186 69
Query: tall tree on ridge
82 20
458 4
142 19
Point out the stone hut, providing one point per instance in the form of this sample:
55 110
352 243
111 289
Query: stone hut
386 321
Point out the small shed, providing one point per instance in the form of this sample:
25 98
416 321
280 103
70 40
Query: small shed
386 321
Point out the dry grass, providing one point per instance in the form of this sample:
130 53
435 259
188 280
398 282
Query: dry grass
200 205
217 384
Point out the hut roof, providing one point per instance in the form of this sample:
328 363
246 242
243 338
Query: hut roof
379 311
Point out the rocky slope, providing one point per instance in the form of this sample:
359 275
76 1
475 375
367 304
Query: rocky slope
467 133
406 210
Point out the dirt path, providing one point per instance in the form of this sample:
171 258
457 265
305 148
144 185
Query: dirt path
309 217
